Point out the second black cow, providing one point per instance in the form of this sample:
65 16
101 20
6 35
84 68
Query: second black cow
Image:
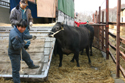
91 36
70 40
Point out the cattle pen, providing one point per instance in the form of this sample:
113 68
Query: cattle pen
104 37
41 51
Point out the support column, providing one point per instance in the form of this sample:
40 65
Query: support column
118 39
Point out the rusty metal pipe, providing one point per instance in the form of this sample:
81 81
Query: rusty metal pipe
99 14
102 30
118 39
107 29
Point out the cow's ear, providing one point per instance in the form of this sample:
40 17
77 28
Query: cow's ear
62 23
62 27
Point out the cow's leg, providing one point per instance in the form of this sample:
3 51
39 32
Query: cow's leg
90 49
60 58
91 46
76 56
87 52
73 59
55 48
55 51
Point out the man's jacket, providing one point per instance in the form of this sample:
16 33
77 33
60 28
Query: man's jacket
79 23
16 15
16 41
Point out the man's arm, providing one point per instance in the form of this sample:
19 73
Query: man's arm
83 22
17 45
30 16
26 36
76 22
13 18
29 37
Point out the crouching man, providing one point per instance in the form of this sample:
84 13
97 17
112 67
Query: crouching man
16 44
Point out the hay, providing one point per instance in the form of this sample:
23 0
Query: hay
5 81
69 73
112 65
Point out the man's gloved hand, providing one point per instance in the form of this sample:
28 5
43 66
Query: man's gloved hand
31 24
33 37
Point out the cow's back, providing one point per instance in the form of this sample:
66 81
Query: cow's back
84 37
78 37
90 28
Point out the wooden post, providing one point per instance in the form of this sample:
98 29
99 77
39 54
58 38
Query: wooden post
107 29
102 30
118 39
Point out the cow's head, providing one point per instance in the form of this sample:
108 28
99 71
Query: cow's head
56 29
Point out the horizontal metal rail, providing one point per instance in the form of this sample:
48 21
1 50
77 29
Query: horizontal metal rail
114 60
114 36
97 24
4 3
121 53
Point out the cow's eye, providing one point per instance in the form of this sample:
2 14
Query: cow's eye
57 28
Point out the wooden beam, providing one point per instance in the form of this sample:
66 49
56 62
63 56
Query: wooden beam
46 8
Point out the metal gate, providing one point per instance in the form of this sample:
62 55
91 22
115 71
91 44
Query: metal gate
99 36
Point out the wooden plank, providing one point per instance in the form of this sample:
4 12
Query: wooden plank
42 59
46 51
48 44
44 67
37 56
46 58
46 8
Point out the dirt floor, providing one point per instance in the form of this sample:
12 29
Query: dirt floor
99 72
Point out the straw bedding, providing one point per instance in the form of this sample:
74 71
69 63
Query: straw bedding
98 72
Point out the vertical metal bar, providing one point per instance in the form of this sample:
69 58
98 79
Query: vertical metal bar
98 32
107 29
96 17
99 13
118 39
99 28
102 30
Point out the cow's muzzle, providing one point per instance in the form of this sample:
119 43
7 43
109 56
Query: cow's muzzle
51 34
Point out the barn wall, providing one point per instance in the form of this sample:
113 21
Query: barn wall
122 16
4 15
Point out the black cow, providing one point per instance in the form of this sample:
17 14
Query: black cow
70 40
91 29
